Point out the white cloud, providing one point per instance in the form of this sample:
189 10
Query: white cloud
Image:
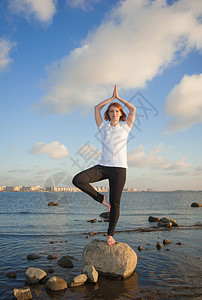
54 150
140 159
83 4
184 103
134 43
5 47
42 10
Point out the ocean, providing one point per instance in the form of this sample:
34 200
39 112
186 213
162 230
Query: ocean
28 225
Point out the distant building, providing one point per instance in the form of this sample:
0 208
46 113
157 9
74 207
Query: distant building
61 189
2 188
9 188
35 188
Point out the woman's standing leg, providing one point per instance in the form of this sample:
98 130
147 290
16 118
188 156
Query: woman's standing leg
117 180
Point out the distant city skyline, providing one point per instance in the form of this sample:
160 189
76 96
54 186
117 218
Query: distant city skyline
60 58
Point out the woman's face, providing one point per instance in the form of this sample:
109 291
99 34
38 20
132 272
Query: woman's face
114 114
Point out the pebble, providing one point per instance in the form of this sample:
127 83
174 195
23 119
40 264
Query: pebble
33 256
158 245
53 204
52 256
11 275
166 242
139 248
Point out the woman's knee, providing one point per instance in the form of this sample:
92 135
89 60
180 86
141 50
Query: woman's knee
78 179
75 180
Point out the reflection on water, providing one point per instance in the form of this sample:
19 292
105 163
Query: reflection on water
29 225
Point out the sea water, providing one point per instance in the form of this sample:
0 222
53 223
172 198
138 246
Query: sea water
28 225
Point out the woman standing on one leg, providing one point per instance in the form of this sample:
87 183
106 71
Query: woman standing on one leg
113 163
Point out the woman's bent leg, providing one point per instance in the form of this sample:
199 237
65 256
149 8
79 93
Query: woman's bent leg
83 179
117 181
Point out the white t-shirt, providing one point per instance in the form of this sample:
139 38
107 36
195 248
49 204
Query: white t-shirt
114 145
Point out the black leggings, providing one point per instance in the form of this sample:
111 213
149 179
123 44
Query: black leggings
116 177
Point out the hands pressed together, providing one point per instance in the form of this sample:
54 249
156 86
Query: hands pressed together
115 93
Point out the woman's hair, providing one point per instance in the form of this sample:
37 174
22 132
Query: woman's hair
116 104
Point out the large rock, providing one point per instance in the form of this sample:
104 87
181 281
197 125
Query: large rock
55 284
34 275
117 260
22 294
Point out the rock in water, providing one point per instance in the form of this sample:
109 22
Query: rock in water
196 204
168 220
153 219
55 284
22 294
104 215
117 260
79 280
53 204
91 273
34 275
65 262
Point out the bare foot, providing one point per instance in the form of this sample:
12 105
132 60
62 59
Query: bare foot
105 203
110 240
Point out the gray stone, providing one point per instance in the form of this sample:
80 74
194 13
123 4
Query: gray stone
196 204
34 275
117 260
22 294
65 262
104 215
168 220
52 256
11 275
55 284
162 224
91 273
153 219
33 256
79 280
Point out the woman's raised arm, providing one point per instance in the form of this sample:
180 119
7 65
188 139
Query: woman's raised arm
98 107
132 109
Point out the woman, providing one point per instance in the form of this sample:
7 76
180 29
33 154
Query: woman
113 163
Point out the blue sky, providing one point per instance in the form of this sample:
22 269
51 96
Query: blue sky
60 58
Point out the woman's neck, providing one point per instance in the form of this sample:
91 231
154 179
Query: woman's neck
114 123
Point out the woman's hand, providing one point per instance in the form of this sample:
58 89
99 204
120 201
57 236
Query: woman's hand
116 92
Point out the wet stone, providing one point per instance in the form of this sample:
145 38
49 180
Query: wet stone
33 256
52 256
55 284
11 275
158 245
166 242
65 262
22 294
139 248
153 219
